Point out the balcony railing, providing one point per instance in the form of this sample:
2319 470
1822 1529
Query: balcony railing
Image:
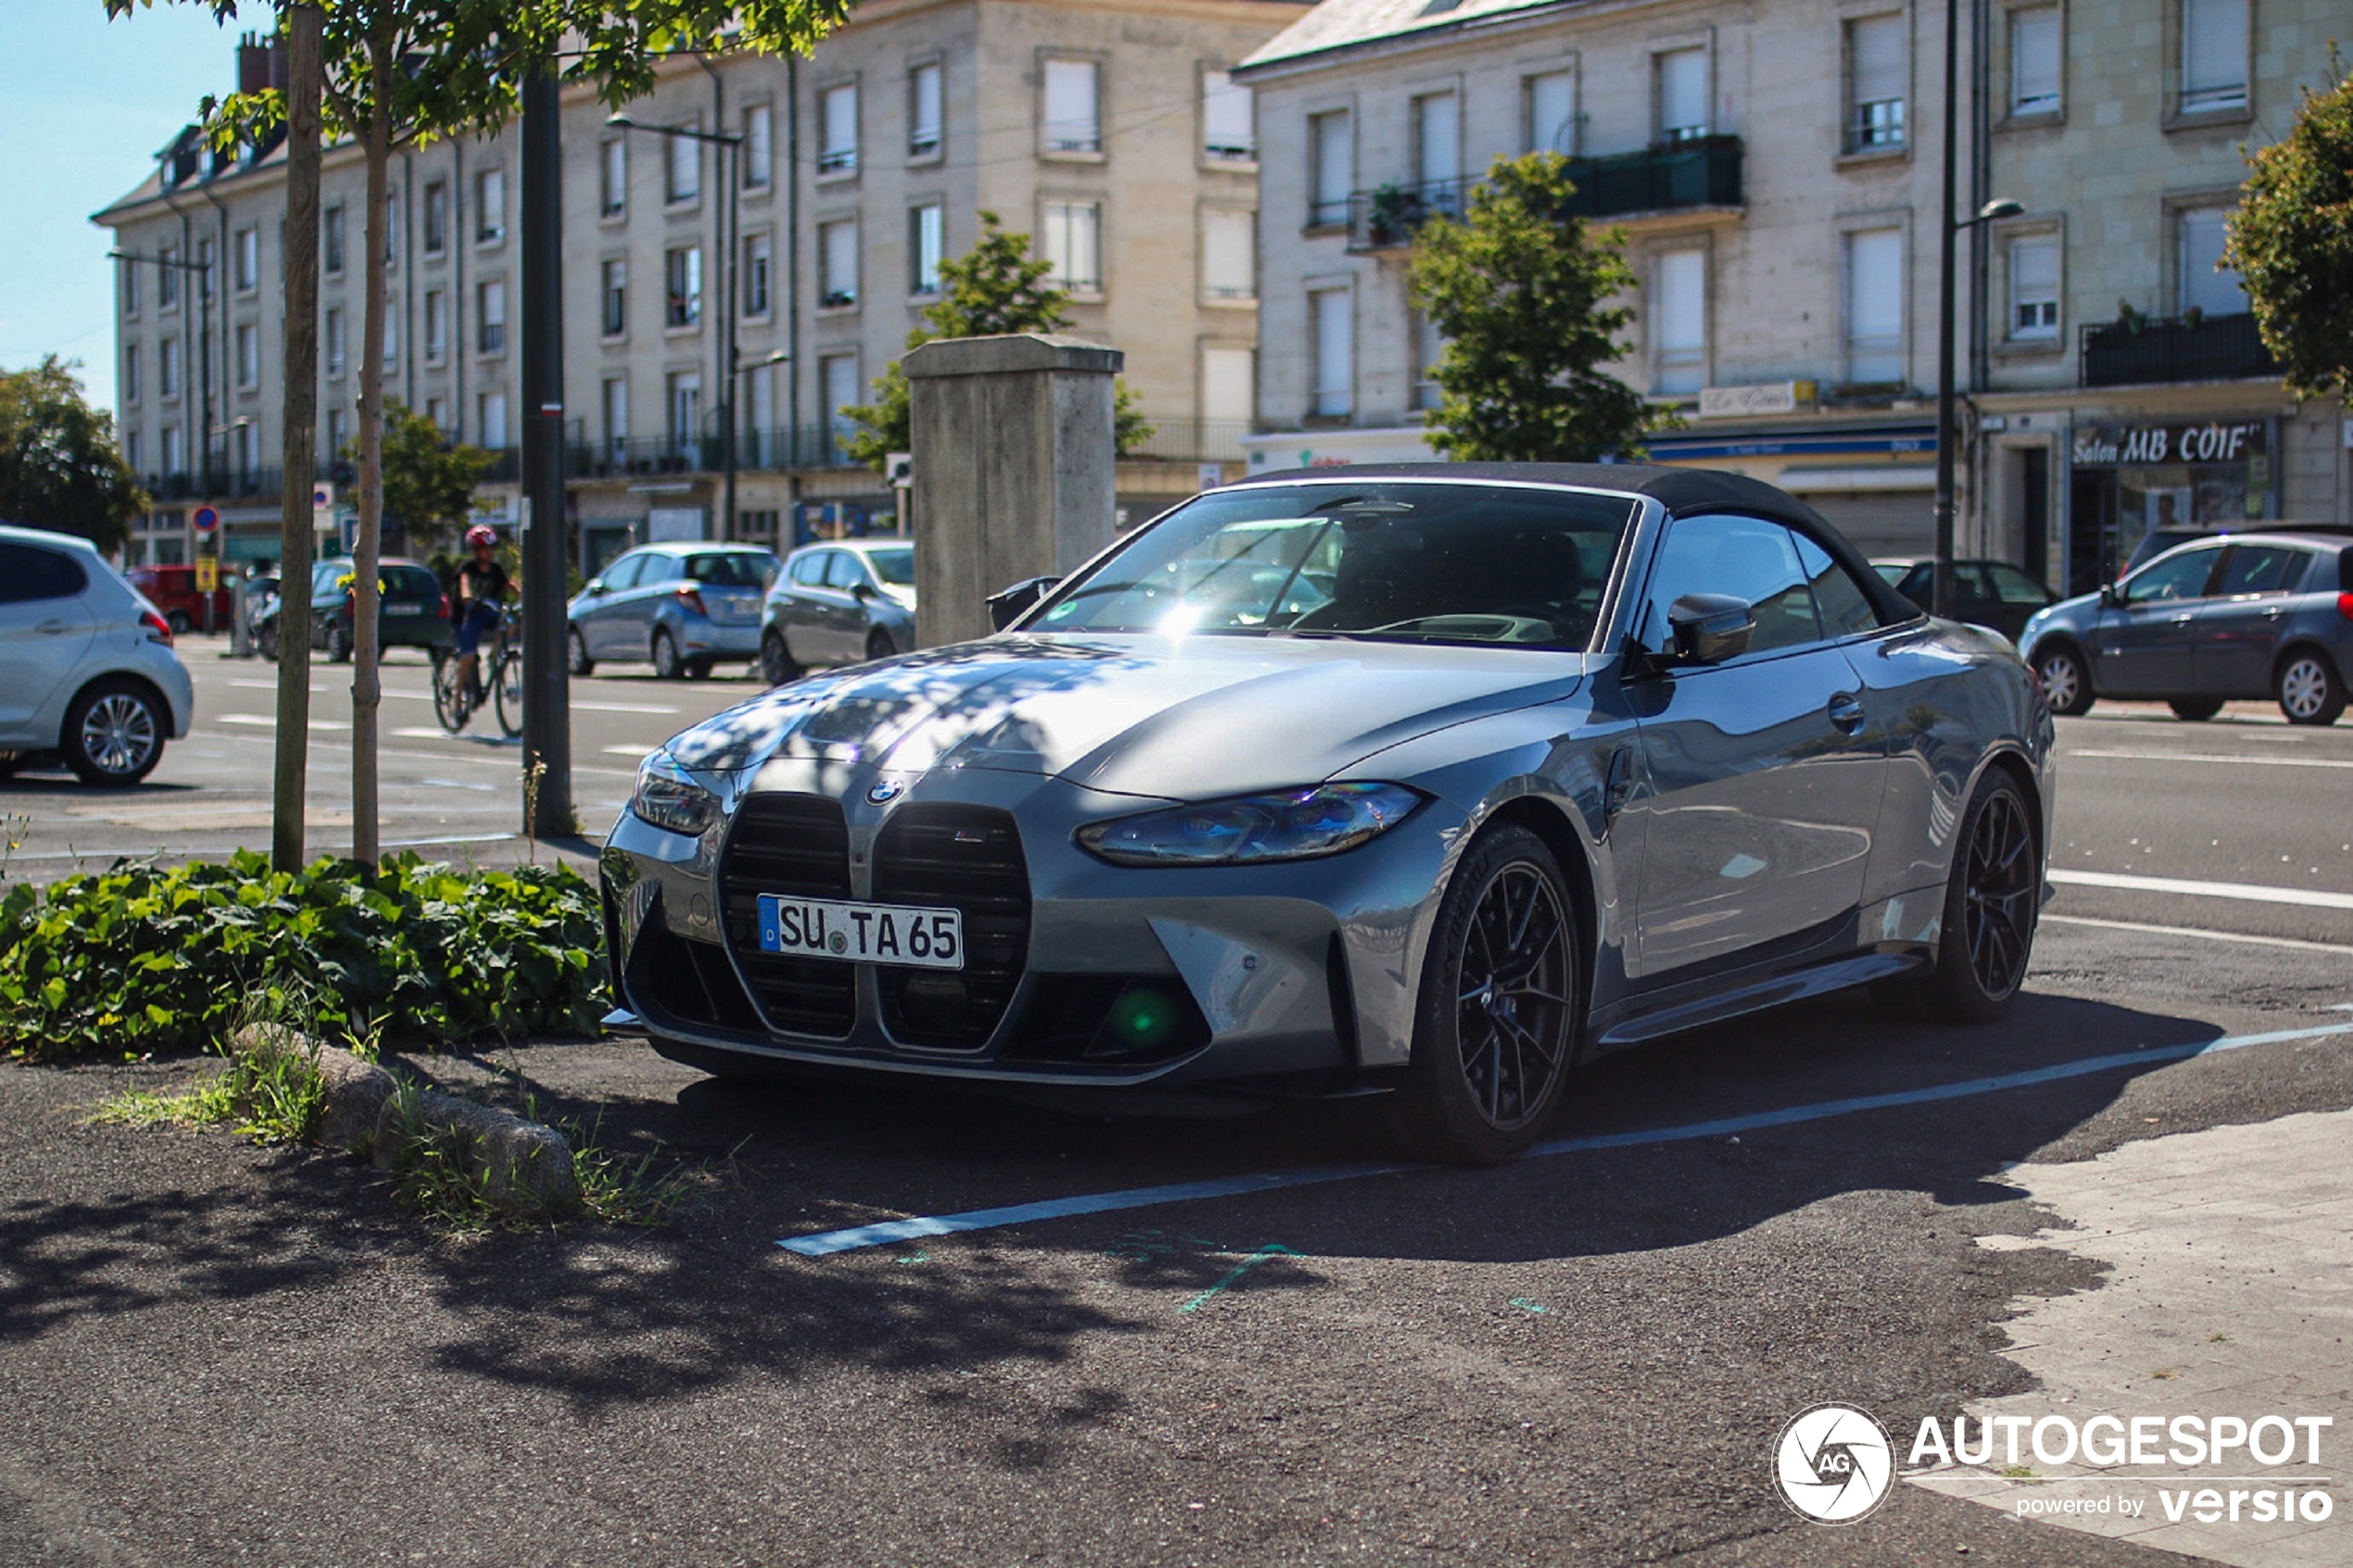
2143 349
1700 172
810 446
1193 441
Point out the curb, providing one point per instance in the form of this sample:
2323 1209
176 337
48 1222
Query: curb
523 1168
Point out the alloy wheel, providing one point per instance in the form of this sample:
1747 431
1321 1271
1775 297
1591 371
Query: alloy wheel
119 734
1515 995
1998 895
2304 688
2059 680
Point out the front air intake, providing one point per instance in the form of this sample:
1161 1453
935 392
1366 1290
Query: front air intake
797 844
965 857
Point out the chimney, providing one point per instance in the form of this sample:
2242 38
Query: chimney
253 64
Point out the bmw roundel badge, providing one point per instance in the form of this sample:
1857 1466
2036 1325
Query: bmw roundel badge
885 792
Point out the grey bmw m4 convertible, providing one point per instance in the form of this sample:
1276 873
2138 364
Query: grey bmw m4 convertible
1420 784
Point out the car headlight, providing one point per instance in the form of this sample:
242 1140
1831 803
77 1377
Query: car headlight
1292 825
668 798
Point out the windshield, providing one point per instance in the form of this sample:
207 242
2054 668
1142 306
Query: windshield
736 568
894 567
1456 563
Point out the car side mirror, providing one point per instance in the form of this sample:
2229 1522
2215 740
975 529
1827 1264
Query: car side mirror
1010 604
1710 628
864 592
596 586
2111 595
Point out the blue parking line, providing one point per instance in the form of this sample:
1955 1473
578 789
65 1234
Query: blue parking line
825 1242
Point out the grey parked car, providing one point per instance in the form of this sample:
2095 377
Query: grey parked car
87 672
836 604
2250 615
684 607
1554 761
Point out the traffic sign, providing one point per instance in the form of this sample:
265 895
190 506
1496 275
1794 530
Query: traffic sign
208 574
206 519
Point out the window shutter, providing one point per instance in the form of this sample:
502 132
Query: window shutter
1682 94
1071 124
1438 129
1228 375
1229 266
2213 53
1875 304
1682 302
1335 170
1228 128
2034 61
1551 113
1876 63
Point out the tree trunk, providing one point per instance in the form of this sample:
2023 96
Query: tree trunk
300 424
367 693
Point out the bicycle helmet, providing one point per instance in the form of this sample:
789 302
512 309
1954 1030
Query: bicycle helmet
481 534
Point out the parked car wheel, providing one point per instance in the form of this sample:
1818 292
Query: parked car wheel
879 646
179 622
581 663
776 664
666 664
1991 899
1501 1007
2309 688
338 643
265 642
10 761
2067 685
2196 709
114 734
699 668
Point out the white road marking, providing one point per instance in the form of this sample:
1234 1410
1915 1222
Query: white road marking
2211 757
621 708
629 750
2203 935
268 721
2252 892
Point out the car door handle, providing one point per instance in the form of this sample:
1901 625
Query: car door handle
1619 786
1846 713
51 628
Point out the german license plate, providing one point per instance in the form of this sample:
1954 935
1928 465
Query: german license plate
404 610
891 934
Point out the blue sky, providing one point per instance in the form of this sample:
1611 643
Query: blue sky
84 104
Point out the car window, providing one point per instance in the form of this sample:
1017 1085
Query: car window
1919 583
808 570
1745 557
323 575
894 567
733 569
2014 587
1839 600
2175 577
28 573
411 583
2258 568
622 573
843 572
658 570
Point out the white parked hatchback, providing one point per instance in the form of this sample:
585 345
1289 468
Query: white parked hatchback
87 672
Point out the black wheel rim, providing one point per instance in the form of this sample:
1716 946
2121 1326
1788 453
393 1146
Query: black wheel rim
1998 908
1516 997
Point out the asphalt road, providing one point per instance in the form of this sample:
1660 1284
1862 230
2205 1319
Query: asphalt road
214 1354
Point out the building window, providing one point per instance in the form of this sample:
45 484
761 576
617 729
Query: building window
331 241
436 326
392 227
1228 254
1074 122
130 287
437 413
759 147
2035 285
490 206
1551 101
247 450
759 255
1334 152
682 287
617 418
1877 72
760 411
175 460
168 278
490 318
1680 85
1074 245
335 340
490 430
682 168
437 218
837 264
1228 119
1875 306
2034 61
615 297
1228 385
923 111
249 260
392 331
337 434
168 368
1437 141
2208 287
1333 322
615 177
838 129
1679 323
130 375
1429 346
685 388
249 357
926 245
2213 54
839 382
132 450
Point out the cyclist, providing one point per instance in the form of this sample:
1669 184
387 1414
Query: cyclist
482 586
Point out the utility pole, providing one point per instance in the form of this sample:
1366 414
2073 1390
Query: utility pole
304 85
1947 227
547 708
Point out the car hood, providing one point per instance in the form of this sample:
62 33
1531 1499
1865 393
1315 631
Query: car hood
1183 717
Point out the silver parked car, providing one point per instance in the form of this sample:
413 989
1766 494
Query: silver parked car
1431 781
839 603
87 671
680 606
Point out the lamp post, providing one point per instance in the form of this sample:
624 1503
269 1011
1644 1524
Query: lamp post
731 144
204 353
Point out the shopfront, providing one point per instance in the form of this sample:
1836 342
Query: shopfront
2129 480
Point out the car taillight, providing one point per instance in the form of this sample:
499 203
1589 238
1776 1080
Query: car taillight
445 607
692 599
2344 606
158 629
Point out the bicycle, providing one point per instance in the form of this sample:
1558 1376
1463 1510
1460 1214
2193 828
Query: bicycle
502 662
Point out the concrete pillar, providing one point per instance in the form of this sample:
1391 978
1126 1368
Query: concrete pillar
1012 441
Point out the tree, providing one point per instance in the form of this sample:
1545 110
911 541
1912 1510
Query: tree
429 483
2292 241
59 467
994 288
1517 290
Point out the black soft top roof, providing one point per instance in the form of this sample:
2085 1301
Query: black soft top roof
1681 491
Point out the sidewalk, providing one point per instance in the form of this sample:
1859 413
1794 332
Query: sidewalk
2231 1295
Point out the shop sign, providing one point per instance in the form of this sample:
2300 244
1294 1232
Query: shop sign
2133 445
1746 401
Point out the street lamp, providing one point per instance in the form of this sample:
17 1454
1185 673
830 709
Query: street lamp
731 145
204 351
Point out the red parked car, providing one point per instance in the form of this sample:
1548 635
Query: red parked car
172 589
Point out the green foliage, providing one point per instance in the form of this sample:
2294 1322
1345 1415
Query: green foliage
1518 292
434 1174
59 467
272 1094
994 288
2292 241
412 954
429 481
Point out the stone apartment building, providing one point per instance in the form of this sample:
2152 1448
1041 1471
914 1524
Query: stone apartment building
1775 166
1105 129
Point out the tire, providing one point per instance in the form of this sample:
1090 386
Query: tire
1485 1075
2067 684
699 668
114 734
2309 688
265 642
506 694
665 657
581 663
10 761
776 664
179 622
338 643
2196 710
1992 898
448 702
879 646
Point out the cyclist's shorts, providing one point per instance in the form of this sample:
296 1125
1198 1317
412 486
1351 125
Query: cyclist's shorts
483 617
